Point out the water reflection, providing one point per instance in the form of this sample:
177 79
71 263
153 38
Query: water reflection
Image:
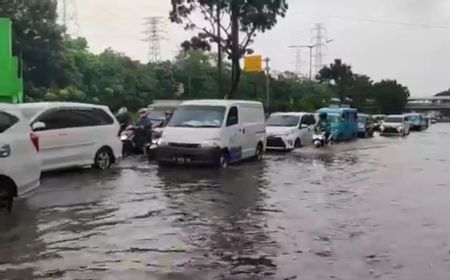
223 216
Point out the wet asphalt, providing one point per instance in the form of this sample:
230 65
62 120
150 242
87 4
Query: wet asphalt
372 209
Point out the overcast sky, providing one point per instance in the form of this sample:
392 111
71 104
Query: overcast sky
377 37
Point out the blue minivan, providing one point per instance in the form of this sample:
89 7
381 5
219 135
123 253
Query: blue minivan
416 121
343 122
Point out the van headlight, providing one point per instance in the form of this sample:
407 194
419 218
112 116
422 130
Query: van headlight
211 143
162 142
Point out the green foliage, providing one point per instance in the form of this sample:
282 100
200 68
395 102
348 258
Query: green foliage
60 68
224 22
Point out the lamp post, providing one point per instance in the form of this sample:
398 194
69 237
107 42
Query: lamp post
310 47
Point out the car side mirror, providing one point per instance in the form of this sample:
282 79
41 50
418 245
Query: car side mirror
38 126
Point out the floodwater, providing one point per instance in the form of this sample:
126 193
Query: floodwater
373 209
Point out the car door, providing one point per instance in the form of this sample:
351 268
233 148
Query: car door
62 139
234 135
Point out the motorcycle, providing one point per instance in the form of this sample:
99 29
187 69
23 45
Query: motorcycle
319 140
132 144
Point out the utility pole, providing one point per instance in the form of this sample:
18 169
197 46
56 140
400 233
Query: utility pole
69 13
154 35
219 49
267 61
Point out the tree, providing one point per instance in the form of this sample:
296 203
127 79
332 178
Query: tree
242 17
341 75
390 97
39 40
360 92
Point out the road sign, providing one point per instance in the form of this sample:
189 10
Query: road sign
253 63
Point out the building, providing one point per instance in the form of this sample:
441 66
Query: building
11 84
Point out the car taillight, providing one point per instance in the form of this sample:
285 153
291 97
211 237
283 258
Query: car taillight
35 141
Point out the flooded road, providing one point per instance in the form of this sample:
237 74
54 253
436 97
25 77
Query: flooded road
374 209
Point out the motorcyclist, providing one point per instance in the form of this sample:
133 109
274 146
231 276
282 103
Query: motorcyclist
144 132
323 126
124 118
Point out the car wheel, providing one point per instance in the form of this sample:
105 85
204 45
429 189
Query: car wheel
103 159
297 143
6 196
259 152
223 159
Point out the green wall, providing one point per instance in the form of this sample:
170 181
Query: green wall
11 84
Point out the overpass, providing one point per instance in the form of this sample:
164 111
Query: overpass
434 104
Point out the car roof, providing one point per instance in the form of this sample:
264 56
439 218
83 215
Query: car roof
363 115
395 116
48 105
337 110
294 114
220 102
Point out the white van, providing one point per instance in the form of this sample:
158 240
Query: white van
74 134
213 132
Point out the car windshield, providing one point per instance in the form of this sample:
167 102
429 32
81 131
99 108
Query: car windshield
198 116
31 112
333 118
393 120
413 118
362 119
283 120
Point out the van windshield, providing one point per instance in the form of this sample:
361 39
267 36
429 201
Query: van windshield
198 116
333 118
283 120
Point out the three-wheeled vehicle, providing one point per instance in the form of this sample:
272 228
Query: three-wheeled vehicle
343 123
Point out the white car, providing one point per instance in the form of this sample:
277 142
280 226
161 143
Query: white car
213 132
20 167
288 131
74 135
395 125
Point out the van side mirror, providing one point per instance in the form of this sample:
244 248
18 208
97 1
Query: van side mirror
38 126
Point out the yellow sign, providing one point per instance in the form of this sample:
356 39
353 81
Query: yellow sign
253 63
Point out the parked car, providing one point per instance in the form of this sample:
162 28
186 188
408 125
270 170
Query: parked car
288 131
365 126
20 167
417 122
213 132
343 122
74 135
395 125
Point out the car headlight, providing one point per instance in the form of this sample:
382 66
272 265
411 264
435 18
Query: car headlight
288 133
400 128
162 142
211 143
381 128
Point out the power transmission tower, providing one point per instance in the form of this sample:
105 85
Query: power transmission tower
154 30
68 13
298 59
319 39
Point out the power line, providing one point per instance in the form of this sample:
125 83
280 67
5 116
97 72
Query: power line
154 31
389 22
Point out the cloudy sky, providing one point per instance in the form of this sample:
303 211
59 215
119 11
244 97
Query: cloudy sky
407 40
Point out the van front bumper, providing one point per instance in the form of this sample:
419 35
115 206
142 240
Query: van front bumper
188 156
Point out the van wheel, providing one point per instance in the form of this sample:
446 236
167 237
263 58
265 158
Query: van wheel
6 196
103 159
297 143
223 160
259 152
